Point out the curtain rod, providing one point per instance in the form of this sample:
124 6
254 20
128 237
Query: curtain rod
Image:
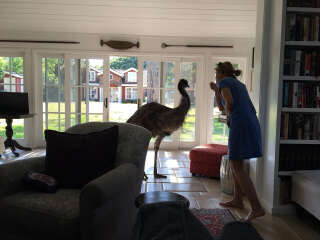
164 45
38 41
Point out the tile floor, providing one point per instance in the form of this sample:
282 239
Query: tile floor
205 192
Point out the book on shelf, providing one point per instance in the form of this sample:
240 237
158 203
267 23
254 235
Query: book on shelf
299 62
301 94
299 126
299 157
302 27
303 3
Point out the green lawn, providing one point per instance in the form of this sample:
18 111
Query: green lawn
118 113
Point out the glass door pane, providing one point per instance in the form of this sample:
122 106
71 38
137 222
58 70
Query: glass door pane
53 99
123 85
12 80
159 84
188 71
220 130
86 98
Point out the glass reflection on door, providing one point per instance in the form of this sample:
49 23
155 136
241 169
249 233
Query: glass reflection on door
158 84
123 85
220 130
188 71
86 91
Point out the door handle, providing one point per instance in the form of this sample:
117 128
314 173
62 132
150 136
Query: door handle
106 102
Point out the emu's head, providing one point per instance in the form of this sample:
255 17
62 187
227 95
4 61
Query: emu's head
183 83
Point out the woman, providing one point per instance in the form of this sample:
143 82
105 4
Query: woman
244 135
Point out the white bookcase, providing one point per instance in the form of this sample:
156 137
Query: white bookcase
281 143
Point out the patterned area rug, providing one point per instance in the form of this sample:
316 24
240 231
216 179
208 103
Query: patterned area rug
213 219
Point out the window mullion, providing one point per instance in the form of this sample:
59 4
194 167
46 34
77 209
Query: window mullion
67 91
46 89
10 73
87 90
59 93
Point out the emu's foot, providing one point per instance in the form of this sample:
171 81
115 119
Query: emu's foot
145 177
156 175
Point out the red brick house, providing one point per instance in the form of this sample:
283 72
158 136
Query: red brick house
129 85
16 84
96 77
123 84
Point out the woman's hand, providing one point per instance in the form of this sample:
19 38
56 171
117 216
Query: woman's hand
213 86
228 121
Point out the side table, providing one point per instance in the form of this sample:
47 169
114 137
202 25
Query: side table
159 196
9 142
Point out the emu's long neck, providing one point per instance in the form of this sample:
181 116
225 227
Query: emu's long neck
184 104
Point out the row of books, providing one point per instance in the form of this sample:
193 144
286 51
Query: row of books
303 3
301 62
301 94
300 126
299 157
302 28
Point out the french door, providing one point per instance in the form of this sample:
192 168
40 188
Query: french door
81 88
218 132
160 77
73 91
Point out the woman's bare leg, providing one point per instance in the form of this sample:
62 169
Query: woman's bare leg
237 201
248 188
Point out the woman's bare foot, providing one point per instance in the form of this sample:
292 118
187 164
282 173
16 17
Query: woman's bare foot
253 214
233 204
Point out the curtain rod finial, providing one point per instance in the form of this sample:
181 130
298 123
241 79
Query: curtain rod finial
164 45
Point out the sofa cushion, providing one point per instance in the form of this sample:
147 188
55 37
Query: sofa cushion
55 214
76 159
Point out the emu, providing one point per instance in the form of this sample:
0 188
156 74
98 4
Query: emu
162 121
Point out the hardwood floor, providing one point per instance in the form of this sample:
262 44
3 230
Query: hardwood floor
205 192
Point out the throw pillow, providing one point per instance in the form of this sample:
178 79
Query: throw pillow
76 159
40 182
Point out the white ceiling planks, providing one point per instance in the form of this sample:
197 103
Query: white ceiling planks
201 18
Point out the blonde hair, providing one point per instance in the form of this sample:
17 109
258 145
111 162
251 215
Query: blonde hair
227 69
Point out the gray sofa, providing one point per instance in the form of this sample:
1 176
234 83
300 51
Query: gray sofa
103 209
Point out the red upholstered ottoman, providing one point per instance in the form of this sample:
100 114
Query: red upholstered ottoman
206 159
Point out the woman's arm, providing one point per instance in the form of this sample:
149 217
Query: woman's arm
228 99
217 94
218 100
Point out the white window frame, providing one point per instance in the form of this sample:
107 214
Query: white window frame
135 80
92 76
133 93
25 53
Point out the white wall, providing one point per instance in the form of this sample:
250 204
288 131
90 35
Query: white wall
268 64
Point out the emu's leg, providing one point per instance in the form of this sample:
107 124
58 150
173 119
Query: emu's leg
145 177
156 148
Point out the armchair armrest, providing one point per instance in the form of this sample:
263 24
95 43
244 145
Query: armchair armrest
107 209
11 173
106 187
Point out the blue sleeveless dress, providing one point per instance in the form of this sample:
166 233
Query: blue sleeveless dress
244 134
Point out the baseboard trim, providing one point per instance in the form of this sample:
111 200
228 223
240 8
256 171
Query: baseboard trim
267 207
286 209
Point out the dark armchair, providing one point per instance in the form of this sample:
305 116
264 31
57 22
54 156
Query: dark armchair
102 209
